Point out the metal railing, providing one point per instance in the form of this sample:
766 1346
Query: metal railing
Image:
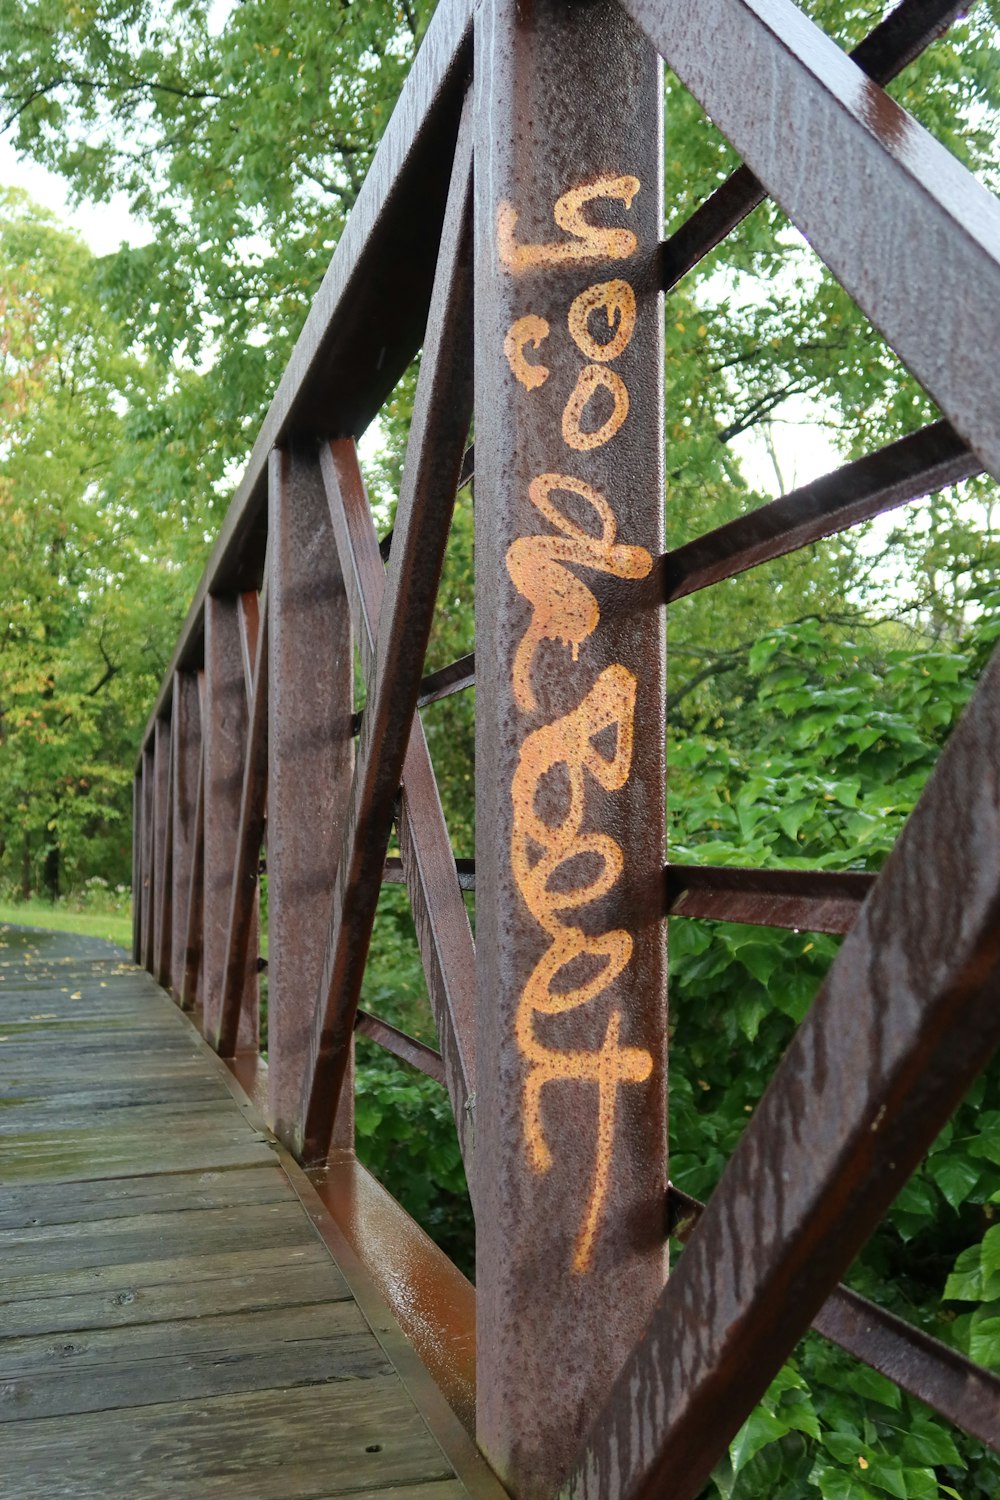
517 191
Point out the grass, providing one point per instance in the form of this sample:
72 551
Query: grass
115 926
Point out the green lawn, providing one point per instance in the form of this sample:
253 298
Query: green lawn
116 926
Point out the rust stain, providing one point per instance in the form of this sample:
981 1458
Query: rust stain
618 301
590 242
527 330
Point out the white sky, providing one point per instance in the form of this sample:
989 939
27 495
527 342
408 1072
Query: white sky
103 225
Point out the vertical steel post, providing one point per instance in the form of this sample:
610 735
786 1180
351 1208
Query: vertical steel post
310 761
136 866
161 792
224 726
571 1005
187 745
148 856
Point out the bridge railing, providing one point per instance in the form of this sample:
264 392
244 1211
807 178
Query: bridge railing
511 229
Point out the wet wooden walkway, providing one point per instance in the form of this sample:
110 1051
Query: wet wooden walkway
171 1323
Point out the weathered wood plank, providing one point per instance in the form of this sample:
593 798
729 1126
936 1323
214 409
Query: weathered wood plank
76 1159
192 1375
269 1281
126 1278
370 1437
153 1237
46 1354
36 1204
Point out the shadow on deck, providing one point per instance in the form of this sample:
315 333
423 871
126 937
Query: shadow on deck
172 1320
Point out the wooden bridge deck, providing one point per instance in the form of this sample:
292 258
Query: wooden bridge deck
171 1322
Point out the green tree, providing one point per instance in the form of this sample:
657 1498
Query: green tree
88 589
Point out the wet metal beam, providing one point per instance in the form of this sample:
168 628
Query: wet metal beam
438 434
186 715
571 1134
810 900
224 721
311 760
356 341
244 896
906 470
428 865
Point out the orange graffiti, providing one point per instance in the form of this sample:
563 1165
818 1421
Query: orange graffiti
618 301
589 381
527 330
563 607
590 241
568 742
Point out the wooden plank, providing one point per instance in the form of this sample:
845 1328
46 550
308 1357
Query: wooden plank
370 1436
76 1160
37 1204
126 1279
193 1374
45 1354
153 1237
239 1285
27 1116
170 1322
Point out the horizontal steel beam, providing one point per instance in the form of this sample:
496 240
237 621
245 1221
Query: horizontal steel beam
811 900
904 471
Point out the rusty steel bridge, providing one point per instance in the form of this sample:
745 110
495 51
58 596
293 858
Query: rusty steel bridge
517 192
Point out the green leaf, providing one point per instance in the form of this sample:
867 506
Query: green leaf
760 1428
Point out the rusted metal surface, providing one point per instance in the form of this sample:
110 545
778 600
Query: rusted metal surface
962 1392
160 818
224 727
811 900
570 1135
194 939
884 53
310 761
454 678
148 851
186 718
136 865
438 433
905 1019
425 1059
807 119
906 470
556 1075
393 873
244 896
249 618
432 1301
165 871
442 924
